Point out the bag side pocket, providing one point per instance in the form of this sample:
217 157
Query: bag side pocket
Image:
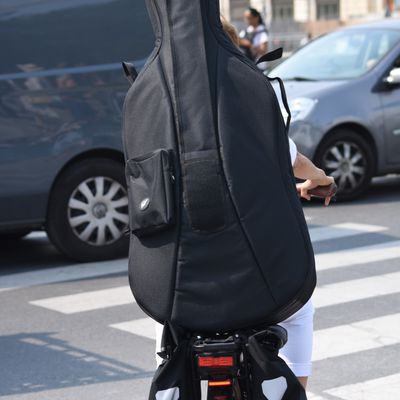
150 191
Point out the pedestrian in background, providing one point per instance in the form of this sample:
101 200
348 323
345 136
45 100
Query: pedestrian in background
254 39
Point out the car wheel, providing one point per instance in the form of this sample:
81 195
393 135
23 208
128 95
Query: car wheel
88 211
347 157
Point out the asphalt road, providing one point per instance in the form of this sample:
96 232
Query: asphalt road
74 331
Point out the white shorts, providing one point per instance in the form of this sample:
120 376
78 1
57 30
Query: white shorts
298 349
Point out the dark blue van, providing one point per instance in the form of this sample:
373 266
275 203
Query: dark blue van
61 93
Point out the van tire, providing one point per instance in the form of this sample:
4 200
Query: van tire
97 176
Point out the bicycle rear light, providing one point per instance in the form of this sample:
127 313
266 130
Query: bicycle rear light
215 362
217 366
220 383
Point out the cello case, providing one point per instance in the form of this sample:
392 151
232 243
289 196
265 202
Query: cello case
218 237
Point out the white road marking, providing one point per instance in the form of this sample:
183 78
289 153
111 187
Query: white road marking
342 230
36 235
324 296
312 396
331 342
324 261
358 255
357 289
145 327
87 301
358 336
61 274
385 388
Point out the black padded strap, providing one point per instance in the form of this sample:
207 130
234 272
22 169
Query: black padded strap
271 56
130 71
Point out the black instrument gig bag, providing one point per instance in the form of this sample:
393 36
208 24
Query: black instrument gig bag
218 236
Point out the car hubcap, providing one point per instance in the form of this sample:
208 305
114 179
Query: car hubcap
98 211
346 163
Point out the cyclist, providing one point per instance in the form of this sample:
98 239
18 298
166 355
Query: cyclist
298 350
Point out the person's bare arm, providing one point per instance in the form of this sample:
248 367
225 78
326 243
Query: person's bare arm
245 42
261 49
304 168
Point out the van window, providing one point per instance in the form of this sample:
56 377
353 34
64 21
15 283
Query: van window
71 33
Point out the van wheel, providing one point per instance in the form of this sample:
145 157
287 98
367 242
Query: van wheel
347 157
88 211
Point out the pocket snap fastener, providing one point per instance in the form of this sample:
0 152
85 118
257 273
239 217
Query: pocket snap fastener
135 172
144 203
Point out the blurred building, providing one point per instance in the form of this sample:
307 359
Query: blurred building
290 22
233 10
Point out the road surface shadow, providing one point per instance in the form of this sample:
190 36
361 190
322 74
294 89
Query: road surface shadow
37 362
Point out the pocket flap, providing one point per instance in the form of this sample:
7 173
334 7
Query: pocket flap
150 190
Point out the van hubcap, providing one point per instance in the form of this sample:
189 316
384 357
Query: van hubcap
98 211
346 163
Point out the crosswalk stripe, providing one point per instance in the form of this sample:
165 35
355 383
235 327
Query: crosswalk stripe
331 342
87 301
324 296
387 388
358 255
62 274
144 327
328 343
337 231
312 396
36 235
359 336
357 289
324 261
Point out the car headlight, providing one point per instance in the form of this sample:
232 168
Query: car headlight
300 108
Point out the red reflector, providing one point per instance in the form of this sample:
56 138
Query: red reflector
219 383
216 361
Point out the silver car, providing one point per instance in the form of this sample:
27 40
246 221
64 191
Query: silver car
344 94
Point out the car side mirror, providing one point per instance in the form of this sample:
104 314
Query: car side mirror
393 78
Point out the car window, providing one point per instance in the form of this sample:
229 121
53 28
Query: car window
341 55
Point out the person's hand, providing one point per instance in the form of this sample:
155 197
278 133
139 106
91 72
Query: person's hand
309 184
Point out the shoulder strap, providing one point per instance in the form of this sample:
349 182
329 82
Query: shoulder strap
264 30
272 56
253 34
284 100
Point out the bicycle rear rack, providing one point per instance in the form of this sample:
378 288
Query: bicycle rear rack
223 361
